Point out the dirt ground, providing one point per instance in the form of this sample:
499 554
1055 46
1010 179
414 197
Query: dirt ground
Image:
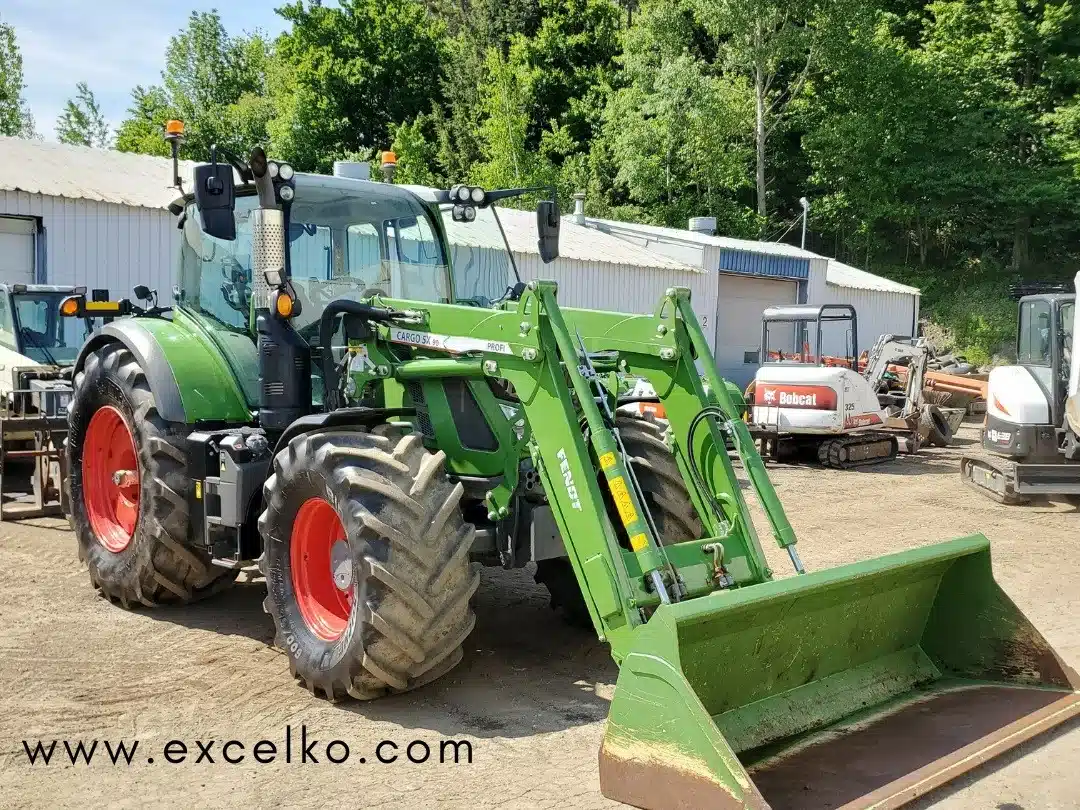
531 694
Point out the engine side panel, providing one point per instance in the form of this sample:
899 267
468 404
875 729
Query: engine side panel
1015 396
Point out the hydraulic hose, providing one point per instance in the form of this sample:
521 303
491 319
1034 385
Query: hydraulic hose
339 306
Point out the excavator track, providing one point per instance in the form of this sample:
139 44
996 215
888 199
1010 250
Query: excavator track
858 450
993 477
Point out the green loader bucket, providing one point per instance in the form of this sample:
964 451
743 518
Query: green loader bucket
862 686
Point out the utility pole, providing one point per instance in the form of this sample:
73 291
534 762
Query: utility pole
805 203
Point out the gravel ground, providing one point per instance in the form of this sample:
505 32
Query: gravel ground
531 694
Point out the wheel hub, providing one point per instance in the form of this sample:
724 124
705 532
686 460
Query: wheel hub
341 565
110 479
321 568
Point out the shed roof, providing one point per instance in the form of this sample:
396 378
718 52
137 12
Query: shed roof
844 275
722 242
575 242
837 273
83 173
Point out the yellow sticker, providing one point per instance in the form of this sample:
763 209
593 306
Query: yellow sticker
198 490
622 501
607 461
638 542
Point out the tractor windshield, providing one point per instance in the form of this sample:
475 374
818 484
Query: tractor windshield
33 327
481 255
341 244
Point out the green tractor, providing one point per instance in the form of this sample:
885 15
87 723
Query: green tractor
330 398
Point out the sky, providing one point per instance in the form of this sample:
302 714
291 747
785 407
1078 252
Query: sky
112 45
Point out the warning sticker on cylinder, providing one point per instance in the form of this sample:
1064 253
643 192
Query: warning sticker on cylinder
448 343
638 542
607 461
623 501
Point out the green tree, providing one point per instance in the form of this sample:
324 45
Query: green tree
144 126
1019 64
81 123
673 142
345 74
215 83
15 118
775 46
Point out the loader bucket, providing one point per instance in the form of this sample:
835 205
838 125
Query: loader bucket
862 686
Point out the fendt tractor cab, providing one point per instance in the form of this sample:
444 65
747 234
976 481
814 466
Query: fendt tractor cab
332 397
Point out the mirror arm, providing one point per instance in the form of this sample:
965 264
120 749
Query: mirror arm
241 167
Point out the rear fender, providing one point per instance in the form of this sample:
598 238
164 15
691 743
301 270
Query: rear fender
188 376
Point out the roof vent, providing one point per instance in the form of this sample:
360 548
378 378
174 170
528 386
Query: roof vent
353 169
579 208
705 225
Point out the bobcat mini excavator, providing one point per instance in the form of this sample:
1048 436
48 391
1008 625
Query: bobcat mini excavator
1032 409
806 400
377 422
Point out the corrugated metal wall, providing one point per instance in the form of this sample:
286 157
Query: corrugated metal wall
95 244
622 288
764 264
879 312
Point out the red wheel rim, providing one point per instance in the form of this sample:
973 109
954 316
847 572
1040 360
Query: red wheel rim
110 472
324 606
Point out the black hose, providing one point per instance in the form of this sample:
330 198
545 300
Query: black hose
339 306
704 413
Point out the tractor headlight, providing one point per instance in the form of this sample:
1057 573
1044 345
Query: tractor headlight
286 172
470 213
287 193
477 195
463 194
272 170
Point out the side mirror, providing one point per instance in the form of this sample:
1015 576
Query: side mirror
142 292
547 228
215 197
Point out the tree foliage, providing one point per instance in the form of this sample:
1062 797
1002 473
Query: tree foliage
215 83
15 118
82 123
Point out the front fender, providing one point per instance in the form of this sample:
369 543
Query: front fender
186 372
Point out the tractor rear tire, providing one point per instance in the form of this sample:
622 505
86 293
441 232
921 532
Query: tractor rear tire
366 560
666 496
132 537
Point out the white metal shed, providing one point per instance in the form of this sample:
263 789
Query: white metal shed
594 270
88 217
755 275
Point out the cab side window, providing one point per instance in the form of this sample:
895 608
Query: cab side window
7 325
1033 340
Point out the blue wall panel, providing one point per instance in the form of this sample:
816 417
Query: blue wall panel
761 264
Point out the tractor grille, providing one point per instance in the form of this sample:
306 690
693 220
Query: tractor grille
416 394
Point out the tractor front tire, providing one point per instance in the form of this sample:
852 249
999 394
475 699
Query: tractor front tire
129 487
666 497
366 561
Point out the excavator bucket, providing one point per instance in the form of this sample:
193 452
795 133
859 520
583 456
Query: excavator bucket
862 686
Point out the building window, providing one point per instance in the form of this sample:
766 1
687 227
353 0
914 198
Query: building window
752 358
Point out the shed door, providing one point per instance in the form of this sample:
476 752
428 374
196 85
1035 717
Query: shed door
740 302
17 250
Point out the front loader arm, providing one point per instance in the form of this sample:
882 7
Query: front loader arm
544 352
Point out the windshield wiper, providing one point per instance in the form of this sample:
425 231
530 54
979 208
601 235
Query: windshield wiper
29 335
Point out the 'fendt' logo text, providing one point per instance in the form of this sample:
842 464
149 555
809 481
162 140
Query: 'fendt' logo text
568 479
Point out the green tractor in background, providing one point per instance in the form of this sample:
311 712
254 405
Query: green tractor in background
331 398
